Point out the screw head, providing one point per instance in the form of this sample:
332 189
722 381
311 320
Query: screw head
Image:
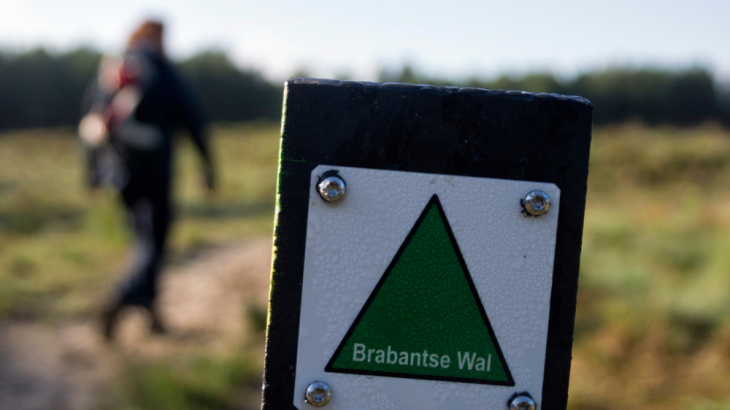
536 203
522 402
318 394
331 188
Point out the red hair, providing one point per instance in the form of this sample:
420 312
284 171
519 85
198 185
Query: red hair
148 34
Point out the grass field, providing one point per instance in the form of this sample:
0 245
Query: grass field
653 321
61 243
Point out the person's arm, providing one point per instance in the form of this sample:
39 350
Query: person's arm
190 117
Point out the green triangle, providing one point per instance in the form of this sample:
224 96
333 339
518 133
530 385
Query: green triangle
424 319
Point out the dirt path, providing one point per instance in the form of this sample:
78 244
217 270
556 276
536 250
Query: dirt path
69 366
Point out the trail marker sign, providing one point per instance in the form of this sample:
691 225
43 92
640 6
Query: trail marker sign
426 299
424 285
440 287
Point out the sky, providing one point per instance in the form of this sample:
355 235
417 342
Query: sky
453 39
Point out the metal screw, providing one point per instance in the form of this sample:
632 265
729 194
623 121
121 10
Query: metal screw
522 402
536 203
318 394
331 188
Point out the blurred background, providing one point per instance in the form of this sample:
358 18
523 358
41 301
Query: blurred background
653 319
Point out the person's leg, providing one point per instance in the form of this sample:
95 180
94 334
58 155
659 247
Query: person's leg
140 286
149 217
161 218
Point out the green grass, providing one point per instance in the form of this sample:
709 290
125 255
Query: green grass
61 247
200 383
61 243
653 319
657 230
655 270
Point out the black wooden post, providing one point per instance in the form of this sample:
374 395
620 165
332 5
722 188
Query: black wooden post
443 130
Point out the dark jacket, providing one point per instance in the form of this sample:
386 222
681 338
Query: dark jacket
138 153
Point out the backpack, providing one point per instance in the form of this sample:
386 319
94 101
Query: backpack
109 126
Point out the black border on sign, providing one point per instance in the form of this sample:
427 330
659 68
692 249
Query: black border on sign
509 382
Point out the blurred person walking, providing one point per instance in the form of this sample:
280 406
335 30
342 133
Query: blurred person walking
132 110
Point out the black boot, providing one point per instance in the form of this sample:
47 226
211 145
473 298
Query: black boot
110 317
157 327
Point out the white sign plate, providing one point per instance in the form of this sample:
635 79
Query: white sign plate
353 247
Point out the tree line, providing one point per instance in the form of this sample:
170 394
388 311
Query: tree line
40 89
650 95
